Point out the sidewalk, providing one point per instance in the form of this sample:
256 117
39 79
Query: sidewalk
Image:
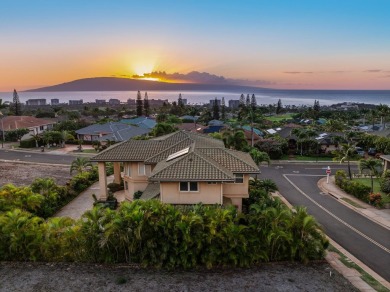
68 149
380 216
83 202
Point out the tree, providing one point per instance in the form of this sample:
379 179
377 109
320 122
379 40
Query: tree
253 103
37 138
80 165
223 109
248 101
139 104
279 107
374 166
146 105
162 129
301 135
269 185
345 153
384 111
16 135
215 109
16 106
259 157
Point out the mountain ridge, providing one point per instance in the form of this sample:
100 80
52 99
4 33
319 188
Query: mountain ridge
126 84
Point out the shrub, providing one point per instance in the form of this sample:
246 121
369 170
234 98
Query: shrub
137 195
375 199
353 188
114 187
30 143
385 185
80 182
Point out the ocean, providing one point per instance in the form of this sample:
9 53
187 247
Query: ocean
263 96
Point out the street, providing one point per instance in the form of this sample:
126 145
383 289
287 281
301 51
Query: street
13 155
366 240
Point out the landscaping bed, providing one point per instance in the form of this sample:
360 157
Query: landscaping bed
22 276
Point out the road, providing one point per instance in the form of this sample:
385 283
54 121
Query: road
366 240
13 155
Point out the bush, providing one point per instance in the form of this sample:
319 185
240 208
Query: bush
30 143
385 185
376 199
80 182
137 195
353 188
114 187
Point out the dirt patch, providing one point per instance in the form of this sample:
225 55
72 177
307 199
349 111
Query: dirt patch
23 174
90 277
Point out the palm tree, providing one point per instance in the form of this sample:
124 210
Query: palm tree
80 164
373 166
269 185
36 137
346 153
383 110
301 135
259 156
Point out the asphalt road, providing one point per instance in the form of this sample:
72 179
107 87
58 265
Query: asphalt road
366 240
14 155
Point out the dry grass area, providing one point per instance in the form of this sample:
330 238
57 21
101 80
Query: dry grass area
92 277
23 174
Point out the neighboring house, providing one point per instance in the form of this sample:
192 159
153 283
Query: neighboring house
142 122
193 127
179 168
386 160
214 126
35 125
111 131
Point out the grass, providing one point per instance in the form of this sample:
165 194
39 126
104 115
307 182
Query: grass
306 158
89 151
377 188
363 274
353 203
278 118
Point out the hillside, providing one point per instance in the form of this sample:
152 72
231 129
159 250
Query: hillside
125 84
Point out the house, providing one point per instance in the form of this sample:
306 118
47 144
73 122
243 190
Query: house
35 125
386 161
193 127
179 168
112 131
142 122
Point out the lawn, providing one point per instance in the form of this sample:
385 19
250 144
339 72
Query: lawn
278 118
306 158
377 189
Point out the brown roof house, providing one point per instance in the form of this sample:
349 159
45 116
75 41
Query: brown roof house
35 125
179 168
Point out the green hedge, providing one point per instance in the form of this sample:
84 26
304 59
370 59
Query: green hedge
154 234
353 188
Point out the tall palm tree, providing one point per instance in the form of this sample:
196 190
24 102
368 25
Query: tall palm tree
346 153
374 167
384 111
301 135
80 164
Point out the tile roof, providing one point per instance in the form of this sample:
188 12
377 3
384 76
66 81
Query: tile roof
191 167
97 129
21 122
152 191
143 122
235 161
125 134
207 159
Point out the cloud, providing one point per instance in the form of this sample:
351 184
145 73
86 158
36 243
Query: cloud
373 71
313 72
298 72
200 77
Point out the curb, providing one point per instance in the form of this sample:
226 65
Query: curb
357 282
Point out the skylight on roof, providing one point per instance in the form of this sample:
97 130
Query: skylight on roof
178 153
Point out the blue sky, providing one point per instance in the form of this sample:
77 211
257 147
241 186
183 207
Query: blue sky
47 42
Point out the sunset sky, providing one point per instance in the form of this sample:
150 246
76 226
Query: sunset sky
330 44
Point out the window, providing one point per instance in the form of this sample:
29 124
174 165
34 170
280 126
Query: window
41 128
191 186
141 168
238 178
127 169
